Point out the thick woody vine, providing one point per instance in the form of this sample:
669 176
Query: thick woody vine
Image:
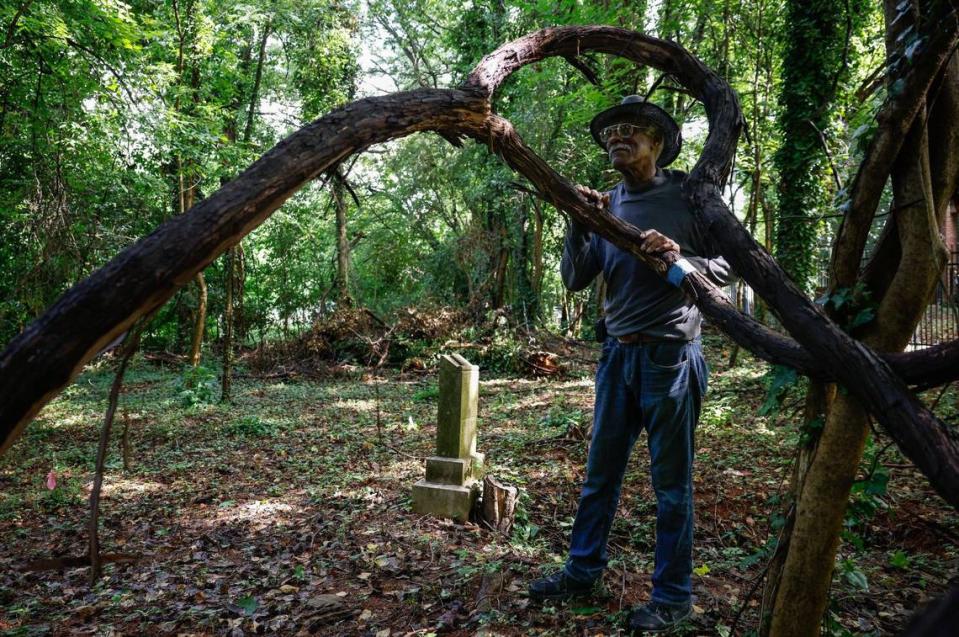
44 357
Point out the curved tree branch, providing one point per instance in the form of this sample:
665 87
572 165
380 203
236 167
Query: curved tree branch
922 437
41 360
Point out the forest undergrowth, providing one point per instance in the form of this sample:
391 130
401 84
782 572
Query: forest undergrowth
287 511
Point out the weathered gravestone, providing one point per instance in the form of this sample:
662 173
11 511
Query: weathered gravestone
448 489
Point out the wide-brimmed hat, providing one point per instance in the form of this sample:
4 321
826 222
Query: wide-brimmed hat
636 110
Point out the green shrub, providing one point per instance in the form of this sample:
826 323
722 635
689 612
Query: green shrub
252 427
197 386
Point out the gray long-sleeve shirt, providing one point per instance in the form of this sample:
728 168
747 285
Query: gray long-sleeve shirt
638 299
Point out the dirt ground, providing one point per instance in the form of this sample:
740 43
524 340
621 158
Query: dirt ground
288 512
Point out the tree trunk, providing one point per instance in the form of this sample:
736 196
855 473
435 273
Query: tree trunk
804 585
803 590
240 326
811 62
524 303
818 397
600 305
199 325
342 280
257 78
128 348
537 249
233 278
187 175
498 296
229 285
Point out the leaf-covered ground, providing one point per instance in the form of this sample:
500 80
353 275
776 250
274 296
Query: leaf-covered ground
288 512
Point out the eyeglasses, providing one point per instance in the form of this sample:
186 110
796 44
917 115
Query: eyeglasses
627 130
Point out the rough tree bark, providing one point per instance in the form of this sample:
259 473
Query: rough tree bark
914 257
226 384
187 172
818 396
922 437
804 586
342 242
43 358
499 505
199 323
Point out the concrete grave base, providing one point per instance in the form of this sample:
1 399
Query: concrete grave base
443 500
441 470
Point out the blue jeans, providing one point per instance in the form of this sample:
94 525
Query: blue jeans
657 387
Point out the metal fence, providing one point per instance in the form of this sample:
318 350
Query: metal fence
940 322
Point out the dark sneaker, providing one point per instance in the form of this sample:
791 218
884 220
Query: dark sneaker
559 586
655 617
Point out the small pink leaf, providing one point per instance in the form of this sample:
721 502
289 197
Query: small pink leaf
52 480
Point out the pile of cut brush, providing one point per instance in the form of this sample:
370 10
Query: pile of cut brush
352 340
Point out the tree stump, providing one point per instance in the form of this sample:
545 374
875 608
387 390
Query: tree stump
499 505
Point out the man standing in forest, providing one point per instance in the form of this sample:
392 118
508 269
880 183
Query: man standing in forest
652 374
